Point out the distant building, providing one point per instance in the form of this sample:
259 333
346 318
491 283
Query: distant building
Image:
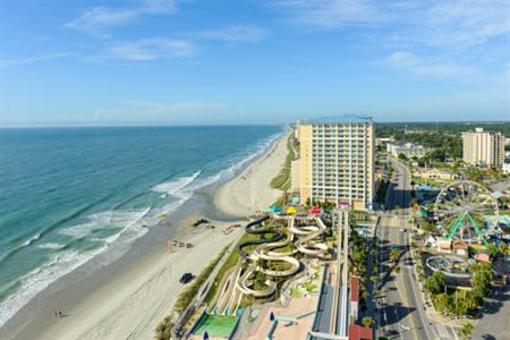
483 148
337 161
409 150
435 174
384 141
506 167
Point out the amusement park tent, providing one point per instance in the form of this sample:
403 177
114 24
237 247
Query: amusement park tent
291 210
315 210
483 257
275 209
425 188
497 194
430 241
444 245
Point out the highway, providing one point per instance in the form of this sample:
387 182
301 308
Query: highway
402 314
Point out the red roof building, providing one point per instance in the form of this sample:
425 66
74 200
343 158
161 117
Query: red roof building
357 332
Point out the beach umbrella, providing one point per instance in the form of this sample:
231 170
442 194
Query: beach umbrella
275 209
315 210
206 335
291 210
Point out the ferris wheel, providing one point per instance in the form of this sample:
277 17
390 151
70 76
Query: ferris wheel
461 209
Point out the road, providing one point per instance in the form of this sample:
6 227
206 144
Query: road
494 323
402 314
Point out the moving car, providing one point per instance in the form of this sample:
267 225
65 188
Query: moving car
186 278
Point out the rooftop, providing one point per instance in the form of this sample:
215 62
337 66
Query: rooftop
346 118
355 289
357 332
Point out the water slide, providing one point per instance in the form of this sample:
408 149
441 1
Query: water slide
266 250
251 228
305 244
244 283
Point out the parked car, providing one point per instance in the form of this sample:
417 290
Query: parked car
186 278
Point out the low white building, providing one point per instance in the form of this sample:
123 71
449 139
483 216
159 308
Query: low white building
384 141
434 173
409 150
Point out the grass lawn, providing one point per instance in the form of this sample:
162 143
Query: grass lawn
282 180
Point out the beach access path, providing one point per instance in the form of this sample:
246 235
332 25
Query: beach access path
133 302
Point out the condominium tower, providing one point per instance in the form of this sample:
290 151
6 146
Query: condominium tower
483 148
337 161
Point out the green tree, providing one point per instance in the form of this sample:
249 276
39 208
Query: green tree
436 283
367 321
429 227
467 330
465 302
442 303
481 279
394 254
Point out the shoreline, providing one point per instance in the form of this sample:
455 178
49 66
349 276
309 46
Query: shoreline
130 296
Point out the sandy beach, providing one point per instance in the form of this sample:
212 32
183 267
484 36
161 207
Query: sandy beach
128 300
251 191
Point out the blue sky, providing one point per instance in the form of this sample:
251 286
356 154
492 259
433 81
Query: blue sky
77 62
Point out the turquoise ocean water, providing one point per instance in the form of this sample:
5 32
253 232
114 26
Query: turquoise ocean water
69 194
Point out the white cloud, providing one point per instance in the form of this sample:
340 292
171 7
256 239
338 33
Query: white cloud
329 14
11 62
407 61
96 19
449 23
233 34
150 49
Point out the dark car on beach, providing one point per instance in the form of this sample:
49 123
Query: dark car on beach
186 278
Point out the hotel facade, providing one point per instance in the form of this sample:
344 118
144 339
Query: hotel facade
337 162
483 148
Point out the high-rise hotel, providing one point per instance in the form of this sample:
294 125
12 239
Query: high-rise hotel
483 148
337 161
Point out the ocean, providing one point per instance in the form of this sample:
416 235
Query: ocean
69 194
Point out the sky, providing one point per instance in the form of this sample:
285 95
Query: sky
87 62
